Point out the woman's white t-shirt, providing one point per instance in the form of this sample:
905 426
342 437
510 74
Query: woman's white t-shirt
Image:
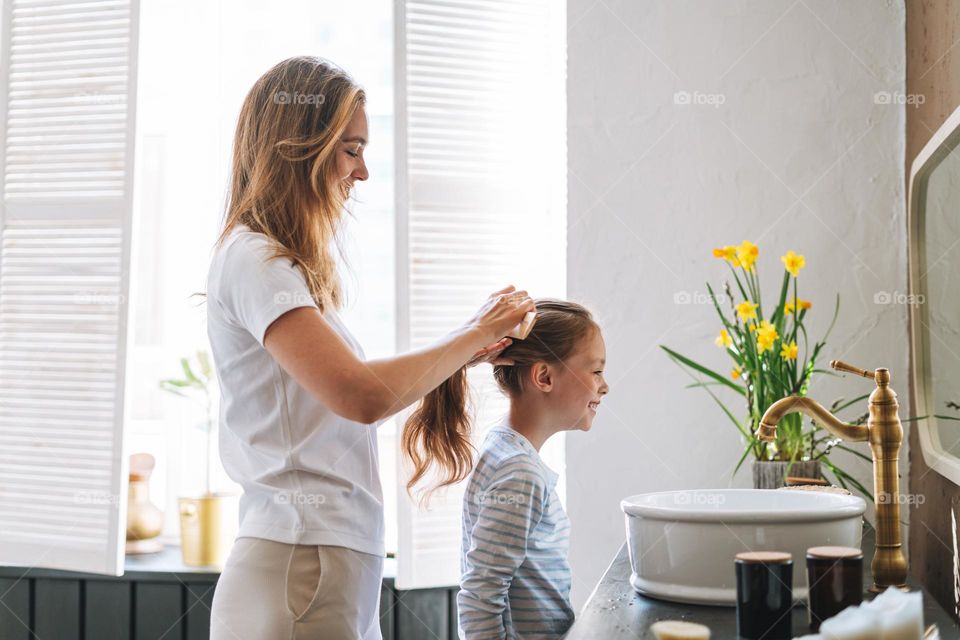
308 475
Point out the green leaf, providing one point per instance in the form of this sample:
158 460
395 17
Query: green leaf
705 371
836 311
854 401
750 444
205 367
845 477
174 391
716 305
778 313
784 387
188 372
739 284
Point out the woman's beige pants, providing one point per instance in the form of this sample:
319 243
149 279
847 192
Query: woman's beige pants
274 591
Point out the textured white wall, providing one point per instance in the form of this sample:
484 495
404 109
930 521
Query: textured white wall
800 155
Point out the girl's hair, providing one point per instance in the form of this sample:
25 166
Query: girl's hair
284 182
437 433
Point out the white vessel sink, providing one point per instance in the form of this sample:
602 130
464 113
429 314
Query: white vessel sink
682 543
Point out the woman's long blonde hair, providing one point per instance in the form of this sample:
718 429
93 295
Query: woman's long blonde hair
284 182
437 433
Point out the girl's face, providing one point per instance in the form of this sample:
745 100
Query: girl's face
350 164
579 384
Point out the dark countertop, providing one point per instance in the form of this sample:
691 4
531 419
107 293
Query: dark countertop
615 610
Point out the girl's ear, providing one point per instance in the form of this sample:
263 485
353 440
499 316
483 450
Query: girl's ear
541 376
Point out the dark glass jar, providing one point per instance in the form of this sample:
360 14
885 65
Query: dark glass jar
764 595
834 581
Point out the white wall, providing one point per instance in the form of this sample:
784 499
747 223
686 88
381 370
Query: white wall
800 156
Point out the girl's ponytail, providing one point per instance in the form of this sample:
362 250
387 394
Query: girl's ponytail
438 433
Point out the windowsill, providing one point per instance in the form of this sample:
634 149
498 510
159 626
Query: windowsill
148 566
171 561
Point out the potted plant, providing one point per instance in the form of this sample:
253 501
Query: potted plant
765 345
207 520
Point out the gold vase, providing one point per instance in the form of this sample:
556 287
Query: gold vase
208 526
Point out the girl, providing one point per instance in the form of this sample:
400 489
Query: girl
299 401
515 575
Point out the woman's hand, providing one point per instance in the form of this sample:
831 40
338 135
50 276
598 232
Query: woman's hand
491 354
502 311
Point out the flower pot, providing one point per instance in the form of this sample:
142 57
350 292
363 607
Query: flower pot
208 526
770 474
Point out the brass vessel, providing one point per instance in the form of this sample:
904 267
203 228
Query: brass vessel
208 525
144 519
885 434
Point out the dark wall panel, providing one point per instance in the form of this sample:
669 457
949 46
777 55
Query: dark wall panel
107 611
14 609
56 608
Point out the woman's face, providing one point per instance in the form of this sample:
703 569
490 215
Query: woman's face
350 164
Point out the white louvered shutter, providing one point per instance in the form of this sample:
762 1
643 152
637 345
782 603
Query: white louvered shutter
481 200
69 78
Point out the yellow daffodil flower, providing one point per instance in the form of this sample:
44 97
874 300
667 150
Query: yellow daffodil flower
789 351
747 310
766 336
724 339
728 253
735 373
802 304
793 262
747 254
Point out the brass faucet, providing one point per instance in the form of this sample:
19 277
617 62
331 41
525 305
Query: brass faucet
885 434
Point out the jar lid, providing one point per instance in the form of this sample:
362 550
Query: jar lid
835 553
764 557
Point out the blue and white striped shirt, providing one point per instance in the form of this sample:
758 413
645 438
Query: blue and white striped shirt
515 580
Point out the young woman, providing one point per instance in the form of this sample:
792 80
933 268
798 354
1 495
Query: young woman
515 575
300 403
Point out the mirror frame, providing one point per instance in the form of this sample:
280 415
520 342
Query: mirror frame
943 141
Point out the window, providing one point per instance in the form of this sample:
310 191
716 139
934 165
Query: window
467 193
481 196
189 98
66 117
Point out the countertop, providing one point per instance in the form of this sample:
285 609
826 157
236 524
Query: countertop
615 610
